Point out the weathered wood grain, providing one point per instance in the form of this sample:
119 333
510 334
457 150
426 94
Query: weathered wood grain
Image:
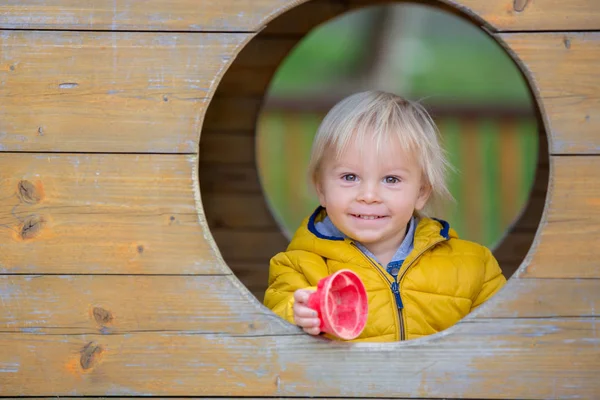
253 274
299 20
117 214
229 178
238 15
109 91
566 245
544 298
249 244
177 15
114 304
228 148
548 358
255 65
233 211
534 15
521 15
232 113
563 70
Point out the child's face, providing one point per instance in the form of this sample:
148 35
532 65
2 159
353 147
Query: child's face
370 197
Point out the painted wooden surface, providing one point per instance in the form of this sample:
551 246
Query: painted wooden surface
510 358
564 68
239 15
118 214
108 92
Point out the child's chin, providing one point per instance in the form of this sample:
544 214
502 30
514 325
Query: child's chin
367 239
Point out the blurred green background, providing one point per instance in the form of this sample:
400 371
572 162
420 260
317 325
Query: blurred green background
473 89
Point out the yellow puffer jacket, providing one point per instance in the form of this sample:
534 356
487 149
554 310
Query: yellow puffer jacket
441 281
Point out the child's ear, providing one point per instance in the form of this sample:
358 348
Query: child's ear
320 193
424 194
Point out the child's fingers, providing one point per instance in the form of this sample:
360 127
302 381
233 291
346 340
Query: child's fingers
301 296
304 316
312 331
303 311
307 323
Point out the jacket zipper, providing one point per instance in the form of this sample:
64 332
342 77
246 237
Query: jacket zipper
395 290
395 286
401 276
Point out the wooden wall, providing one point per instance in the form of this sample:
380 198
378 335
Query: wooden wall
110 280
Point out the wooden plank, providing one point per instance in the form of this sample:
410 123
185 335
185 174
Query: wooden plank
301 19
544 298
117 214
547 358
112 304
255 65
522 15
564 71
512 250
109 92
530 15
227 148
222 108
238 211
249 244
566 246
161 15
253 274
238 15
229 178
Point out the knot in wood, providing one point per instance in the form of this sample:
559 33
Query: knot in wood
28 193
90 355
32 226
519 5
102 316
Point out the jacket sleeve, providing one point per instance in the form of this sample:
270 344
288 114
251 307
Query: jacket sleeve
493 280
288 272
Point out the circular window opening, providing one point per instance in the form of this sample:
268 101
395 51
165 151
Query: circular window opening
255 200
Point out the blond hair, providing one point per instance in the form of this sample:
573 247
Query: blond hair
381 116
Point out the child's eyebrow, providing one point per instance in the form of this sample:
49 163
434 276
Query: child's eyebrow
400 169
344 166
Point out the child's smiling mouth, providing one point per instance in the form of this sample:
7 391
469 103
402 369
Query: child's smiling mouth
368 217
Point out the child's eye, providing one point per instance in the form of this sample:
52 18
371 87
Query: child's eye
349 177
391 179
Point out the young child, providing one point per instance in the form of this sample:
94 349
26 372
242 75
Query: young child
378 170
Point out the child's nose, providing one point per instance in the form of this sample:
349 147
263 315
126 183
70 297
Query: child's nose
368 192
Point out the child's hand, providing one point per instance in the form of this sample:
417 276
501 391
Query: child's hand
305 317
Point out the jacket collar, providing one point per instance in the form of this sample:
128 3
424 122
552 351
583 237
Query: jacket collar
427 233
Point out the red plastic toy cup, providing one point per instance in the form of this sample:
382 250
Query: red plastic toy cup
341 301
